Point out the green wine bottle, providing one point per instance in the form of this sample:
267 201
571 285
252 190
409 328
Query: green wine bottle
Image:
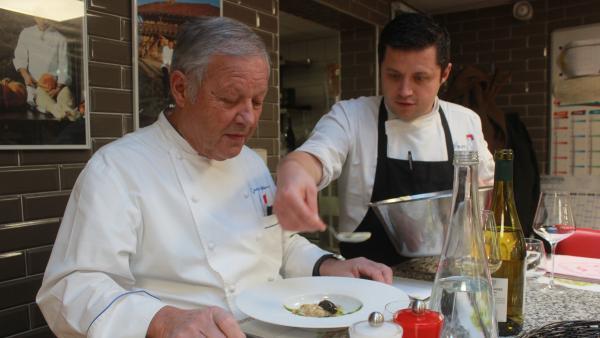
509 280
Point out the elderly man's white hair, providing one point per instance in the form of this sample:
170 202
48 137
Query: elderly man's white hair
198 40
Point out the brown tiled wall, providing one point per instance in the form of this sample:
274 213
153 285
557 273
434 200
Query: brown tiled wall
34 185
491 36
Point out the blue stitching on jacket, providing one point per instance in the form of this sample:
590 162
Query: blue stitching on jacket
114 300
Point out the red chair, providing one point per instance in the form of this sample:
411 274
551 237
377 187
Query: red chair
584 243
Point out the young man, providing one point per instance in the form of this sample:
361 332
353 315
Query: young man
166 226
386 146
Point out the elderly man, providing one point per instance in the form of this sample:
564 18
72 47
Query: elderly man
168 224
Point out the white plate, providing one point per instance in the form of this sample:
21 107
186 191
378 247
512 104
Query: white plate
266 302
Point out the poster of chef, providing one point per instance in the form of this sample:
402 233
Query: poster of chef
157 25
42 75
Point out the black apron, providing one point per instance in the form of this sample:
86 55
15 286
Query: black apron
394 178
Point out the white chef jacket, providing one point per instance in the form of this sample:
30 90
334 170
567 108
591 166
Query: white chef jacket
43 52
151 223
345 142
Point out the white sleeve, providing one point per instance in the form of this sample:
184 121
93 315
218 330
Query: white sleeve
299 256
87 287
330 142
63 62
486 160
21 59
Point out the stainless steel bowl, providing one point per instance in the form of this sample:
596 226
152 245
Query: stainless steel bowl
417 224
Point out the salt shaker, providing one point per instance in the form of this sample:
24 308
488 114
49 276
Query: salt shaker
375 327
419 322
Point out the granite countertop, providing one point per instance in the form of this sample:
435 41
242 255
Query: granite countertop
541 307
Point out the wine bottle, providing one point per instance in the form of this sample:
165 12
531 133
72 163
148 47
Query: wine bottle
509 280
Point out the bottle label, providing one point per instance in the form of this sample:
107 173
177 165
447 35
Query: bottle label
500 297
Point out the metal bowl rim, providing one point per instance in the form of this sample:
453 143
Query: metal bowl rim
420 197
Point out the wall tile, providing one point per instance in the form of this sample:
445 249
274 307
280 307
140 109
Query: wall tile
27 235
240 13
10 209
29 157
18 181
37 259
8 158
44 206
68 175
126 77
264 143
262 5
100 142
105 75
19 291
14 320
36 318
118 7
106 125
126 29
111 101
127 124
268 23
104 25
269 111
42 332
109 51
267 129
12 265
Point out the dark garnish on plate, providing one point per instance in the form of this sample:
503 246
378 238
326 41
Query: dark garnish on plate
328 306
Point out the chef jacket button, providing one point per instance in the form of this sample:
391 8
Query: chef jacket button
179 157
270 279
194 199
231 289
211 245
246 194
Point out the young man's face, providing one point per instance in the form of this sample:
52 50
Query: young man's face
410 80
227 107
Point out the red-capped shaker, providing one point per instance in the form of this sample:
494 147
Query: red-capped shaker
419 322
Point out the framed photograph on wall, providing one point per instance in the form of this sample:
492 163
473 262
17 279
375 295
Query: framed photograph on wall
156 25
43 75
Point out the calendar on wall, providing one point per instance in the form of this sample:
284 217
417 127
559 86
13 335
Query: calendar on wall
575 102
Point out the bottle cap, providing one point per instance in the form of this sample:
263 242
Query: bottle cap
375 327
417 305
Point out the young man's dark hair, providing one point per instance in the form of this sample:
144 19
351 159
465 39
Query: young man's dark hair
413 31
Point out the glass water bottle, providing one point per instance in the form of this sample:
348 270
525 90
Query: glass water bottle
462 291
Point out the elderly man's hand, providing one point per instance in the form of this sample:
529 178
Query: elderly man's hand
296 197
172 322
357 267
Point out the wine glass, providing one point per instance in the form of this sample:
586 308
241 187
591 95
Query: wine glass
554 222
490 241
535 256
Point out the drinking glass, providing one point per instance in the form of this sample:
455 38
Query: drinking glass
490 241
535 257
554 222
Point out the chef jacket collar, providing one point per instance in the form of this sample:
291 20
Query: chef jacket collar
174 138
434 110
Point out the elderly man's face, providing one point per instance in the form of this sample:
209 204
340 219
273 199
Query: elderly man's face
227 106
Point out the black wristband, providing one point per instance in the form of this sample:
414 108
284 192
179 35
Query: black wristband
320 261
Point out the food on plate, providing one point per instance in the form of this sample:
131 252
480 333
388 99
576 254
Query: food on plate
324 308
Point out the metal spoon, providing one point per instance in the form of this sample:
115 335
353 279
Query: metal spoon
349 237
